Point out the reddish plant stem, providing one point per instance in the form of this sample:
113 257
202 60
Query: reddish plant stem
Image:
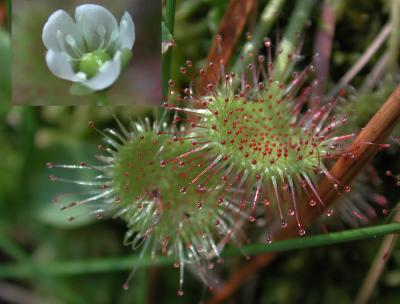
363 60
231 27
153 285
3 14
375 75
345 169
323 47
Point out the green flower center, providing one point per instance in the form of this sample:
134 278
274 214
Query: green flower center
91 62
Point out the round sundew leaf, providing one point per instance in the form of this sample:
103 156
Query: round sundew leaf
165 213
263 142
273 148
160 202
138 172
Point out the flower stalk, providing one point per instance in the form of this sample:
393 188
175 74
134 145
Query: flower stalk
101 265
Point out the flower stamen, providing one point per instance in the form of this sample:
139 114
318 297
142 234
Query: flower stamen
72 43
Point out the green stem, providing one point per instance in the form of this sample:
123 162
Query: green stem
79 267
319 240
267 19
290 38
101 98
25 269
394 40
166 64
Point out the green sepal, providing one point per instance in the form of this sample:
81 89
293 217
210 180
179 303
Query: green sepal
126 55
79 89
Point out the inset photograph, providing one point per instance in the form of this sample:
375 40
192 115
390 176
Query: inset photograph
79 53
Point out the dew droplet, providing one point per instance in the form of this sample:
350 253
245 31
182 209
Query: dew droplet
125 286
302 231
329 212
312 203
347 188
180 293
252 219
284 224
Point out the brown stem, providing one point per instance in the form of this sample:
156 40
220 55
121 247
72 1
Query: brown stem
231 27
3 14
345 169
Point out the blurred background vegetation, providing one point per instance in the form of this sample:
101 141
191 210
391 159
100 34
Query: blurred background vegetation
33 230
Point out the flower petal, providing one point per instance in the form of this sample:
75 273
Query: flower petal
60 22
60 66
126 31
107 74
95 21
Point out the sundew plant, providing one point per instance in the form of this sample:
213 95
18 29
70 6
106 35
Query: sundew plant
269 169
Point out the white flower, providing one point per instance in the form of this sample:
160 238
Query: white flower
91 51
